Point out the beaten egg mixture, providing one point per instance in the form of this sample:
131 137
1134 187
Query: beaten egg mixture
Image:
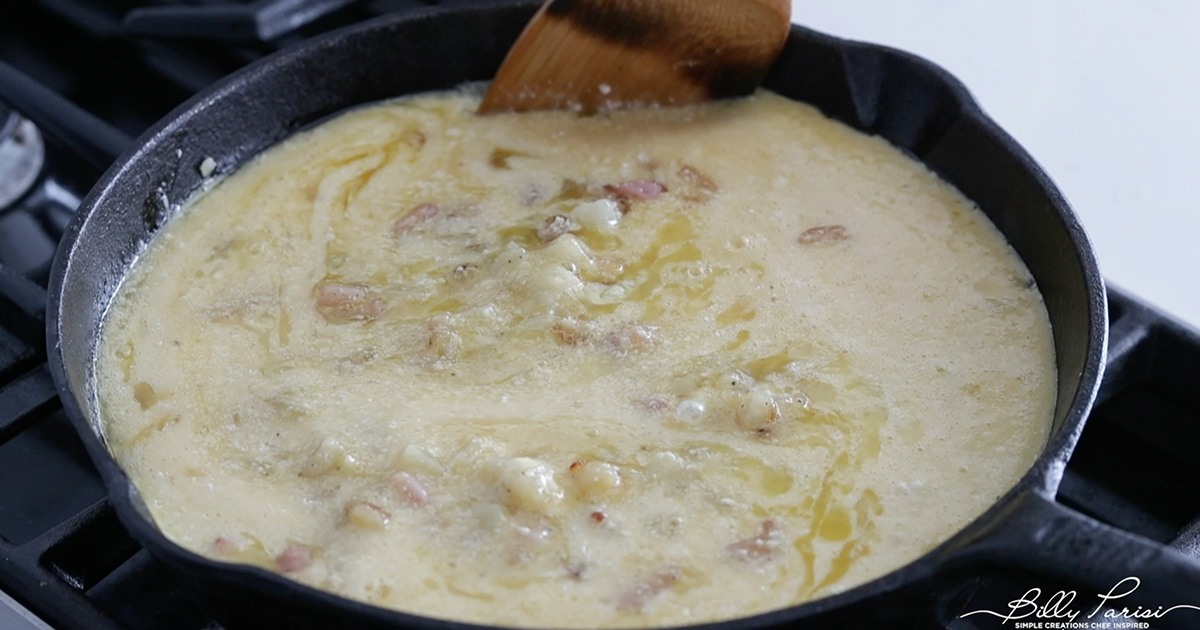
643 368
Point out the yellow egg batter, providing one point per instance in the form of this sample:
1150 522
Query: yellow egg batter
643 368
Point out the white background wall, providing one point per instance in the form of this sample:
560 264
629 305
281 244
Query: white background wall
1104 93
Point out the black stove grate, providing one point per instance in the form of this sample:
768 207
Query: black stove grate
64 555
259 21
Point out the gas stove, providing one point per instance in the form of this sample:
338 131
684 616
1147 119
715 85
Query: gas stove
80 78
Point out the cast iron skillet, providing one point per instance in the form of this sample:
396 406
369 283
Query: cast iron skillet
911 102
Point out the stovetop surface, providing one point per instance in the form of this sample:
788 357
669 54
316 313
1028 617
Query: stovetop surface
124 64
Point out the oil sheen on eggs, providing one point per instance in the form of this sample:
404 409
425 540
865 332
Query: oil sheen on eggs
643 368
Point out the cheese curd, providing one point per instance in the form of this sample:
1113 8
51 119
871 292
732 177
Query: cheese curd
643 368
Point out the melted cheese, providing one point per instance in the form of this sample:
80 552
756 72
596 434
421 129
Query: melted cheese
643 368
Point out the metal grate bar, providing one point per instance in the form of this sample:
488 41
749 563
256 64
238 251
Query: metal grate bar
25 400
94 140
56 602
257 22
1139 441
26 297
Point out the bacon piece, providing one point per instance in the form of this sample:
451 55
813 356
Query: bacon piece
641 591
632 337
416 217
763 545
637 189
598 516
340 302
294 558
410 489
823 235
570 331
226 545
556 226
656 403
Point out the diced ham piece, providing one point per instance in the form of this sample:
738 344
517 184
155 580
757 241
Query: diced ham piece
570 331
631 338
294 558
340 302
657 403
416 217
410 489
556 226
226 545
637 594
823 235
765 544
637 189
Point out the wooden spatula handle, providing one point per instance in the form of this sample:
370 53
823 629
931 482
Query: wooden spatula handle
599 54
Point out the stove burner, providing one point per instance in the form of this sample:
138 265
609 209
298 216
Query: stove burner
21 156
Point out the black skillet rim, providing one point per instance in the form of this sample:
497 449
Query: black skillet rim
1041 479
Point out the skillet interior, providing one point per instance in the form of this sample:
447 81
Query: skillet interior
912 103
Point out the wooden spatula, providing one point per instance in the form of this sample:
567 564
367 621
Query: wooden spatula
592 55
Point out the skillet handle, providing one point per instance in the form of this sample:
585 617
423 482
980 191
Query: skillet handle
1041 537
